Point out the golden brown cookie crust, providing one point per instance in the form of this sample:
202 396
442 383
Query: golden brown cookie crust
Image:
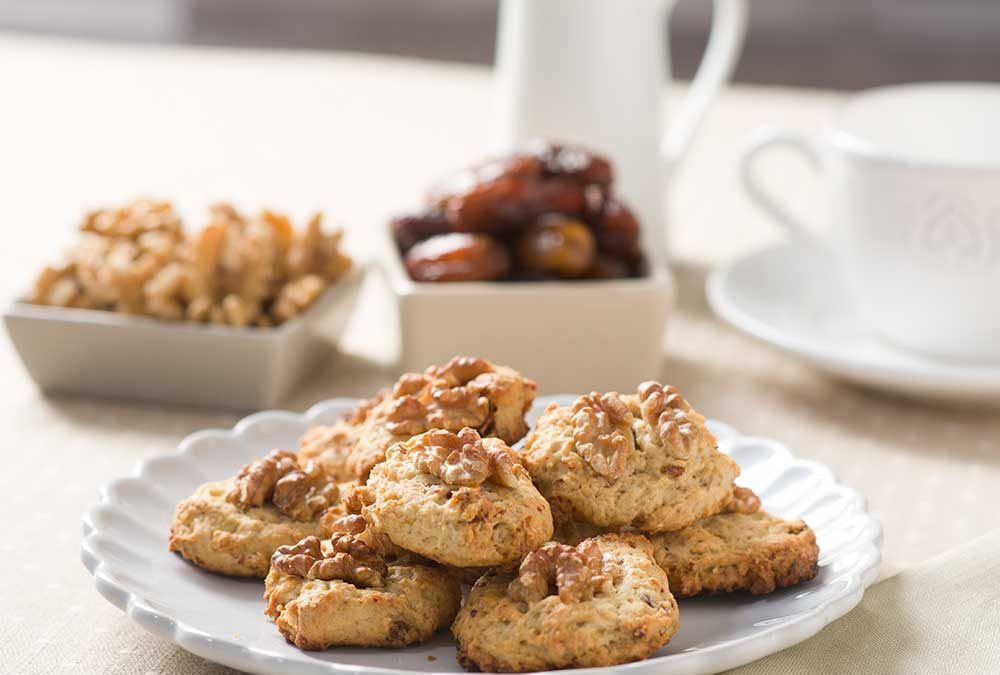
215 534
451 518
413 602
626 619
646 461
330 446
754 552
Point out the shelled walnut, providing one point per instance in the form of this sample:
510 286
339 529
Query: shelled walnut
346 557
300 492
237 271
546 213
465 459
602 432
665 410
576 572
451 396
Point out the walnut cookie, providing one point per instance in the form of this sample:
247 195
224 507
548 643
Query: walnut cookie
233 526
343 592
458 499
744 549
646 461
465 392
741 549
611 605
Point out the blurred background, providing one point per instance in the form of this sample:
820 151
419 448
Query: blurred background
846 44
105 115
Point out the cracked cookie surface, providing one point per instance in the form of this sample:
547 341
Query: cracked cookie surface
600 603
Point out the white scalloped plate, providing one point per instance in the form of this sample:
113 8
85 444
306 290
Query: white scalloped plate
221 619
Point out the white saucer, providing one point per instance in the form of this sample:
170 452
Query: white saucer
792 296
221 618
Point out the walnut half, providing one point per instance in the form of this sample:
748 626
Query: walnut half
464 458
345 557
666 411
577 573
602 433
254 484
442 398
304 494
301 493
356 525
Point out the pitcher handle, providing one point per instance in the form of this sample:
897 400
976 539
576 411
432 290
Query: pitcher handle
725 42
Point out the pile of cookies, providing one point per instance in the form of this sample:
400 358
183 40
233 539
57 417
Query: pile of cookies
238 271
575 544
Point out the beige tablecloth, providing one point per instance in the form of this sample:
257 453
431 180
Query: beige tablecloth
359 136
939 617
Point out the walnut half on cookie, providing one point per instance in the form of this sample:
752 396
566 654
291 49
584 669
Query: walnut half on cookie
459 499
343 592
645 461
600 603
233 526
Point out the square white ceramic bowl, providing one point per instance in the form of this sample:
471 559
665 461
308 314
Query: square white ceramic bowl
108 354
568 336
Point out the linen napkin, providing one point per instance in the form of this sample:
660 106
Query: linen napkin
942 616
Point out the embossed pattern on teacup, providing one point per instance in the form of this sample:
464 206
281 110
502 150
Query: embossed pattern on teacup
952 233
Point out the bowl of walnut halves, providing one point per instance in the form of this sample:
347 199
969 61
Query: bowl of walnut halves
531 258
231 316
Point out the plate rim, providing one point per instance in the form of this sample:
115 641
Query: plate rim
716 658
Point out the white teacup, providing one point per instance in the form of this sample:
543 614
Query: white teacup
914 179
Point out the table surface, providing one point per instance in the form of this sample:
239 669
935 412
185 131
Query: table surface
88 124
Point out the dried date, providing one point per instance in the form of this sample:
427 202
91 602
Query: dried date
558 245
408 230
618 231
508 203
575 163
458 257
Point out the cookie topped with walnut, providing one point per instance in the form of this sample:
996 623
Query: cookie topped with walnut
344 591
600 603
464 392
233 526
459 499
646 461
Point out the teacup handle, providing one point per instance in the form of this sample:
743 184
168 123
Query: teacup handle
764 139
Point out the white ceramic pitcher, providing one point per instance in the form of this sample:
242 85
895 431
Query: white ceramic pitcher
593 72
